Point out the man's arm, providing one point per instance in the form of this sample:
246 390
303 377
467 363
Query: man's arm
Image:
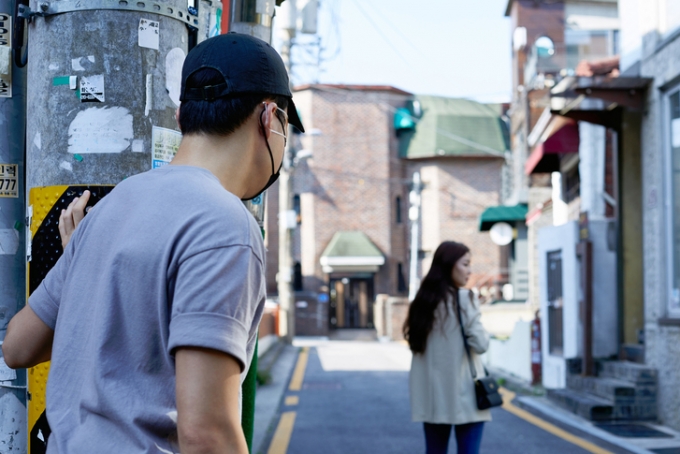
28 341
207 387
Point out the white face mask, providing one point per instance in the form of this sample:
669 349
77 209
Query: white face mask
275 175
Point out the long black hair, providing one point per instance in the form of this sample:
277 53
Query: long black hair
437 284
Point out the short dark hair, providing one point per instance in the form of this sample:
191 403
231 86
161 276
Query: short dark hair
221 116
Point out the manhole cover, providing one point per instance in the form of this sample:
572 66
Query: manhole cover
632 430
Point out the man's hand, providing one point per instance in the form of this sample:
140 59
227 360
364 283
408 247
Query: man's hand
207 387
71 217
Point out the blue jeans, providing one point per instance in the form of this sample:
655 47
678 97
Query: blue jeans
468 437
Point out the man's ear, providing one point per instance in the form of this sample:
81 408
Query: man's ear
267 116
177 117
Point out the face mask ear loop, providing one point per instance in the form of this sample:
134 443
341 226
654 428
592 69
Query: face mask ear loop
264 134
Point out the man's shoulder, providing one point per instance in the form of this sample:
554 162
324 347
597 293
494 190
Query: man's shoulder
191 203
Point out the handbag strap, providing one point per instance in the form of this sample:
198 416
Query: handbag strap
473 369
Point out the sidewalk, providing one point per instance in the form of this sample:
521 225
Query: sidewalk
268 397
663 440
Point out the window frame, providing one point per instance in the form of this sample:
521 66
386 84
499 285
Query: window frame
669 199
398 215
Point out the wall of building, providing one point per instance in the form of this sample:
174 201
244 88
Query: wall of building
602 234
512 355
591 168
539 19
352 179
539 217
643 24
662 342
457 191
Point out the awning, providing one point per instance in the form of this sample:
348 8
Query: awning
502 213
560 137
351 251
598 99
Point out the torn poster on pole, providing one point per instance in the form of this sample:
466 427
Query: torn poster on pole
148 34
165 143
5 56
92 88
82 63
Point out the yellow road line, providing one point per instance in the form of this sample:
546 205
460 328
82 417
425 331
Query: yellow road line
282 435
284 430
299 373
508 396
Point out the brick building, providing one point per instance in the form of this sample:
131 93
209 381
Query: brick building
351 194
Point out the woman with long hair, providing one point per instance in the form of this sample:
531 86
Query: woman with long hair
441 380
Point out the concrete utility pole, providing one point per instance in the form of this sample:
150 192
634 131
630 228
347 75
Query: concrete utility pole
104 80
284 277
252 17
414 217
13 433
295 15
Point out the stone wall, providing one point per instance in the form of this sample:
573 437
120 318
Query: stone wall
389 314
311 316
662 342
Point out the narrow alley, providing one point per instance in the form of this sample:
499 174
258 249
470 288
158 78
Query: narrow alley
352 397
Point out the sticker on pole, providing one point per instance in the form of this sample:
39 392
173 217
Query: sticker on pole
148 34
5 55
9 181
165 143
92 89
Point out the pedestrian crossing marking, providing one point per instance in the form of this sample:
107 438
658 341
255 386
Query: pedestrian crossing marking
299 373
283 433
508 406
292 400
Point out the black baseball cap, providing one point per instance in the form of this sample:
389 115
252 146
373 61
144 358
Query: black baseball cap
248 65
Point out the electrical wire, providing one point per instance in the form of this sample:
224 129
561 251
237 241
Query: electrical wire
394 27
380 32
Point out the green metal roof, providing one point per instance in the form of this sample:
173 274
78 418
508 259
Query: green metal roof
502 214
455 127
351 244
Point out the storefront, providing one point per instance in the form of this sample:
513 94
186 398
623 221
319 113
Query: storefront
350 261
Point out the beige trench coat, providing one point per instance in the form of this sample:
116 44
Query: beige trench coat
441 385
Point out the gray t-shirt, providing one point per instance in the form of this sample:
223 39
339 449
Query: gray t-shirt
168 259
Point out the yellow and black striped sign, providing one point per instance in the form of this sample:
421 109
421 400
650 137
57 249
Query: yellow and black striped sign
47 203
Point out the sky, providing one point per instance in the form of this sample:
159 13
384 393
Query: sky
456 48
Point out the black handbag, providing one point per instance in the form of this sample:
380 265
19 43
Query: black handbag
486 388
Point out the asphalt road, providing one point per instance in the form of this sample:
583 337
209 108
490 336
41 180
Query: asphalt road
354 399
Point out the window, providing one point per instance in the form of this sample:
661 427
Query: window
401 281
297 277
296 208
674 212
555 316
397 209
572 184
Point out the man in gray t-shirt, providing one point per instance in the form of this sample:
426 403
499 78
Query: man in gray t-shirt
150 316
